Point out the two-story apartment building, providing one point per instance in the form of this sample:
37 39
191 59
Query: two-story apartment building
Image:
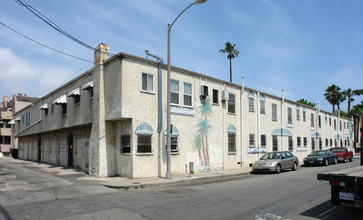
111 120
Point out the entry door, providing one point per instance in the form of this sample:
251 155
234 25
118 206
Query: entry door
70 150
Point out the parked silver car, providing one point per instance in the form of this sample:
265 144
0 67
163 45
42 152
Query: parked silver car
275 162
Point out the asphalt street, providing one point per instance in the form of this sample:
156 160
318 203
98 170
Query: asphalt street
27 192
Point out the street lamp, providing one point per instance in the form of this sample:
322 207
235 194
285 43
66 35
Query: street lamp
168 140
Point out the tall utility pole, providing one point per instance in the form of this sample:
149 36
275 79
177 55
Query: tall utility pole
168 126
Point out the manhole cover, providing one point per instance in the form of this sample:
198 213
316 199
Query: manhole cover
178 191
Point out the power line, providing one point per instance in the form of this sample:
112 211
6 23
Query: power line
44 44
55 26
52 24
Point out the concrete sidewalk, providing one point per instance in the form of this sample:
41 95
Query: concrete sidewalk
126 183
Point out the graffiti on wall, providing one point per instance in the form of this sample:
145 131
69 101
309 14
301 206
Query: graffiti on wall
93 168
201 137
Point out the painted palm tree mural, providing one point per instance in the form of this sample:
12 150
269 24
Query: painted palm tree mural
201 138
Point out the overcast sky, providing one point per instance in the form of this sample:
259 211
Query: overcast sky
301 46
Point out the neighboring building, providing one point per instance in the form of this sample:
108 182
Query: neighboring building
111 121
7 108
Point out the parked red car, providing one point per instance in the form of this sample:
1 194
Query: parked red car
343 154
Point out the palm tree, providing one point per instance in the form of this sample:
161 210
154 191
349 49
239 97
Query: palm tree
349 93
334 96
306 102
232 52
357 112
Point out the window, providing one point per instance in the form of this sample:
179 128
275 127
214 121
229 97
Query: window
5 139
64 108
187 94
319 121
274 112
232 142
298 114
125 144
1 124
274 143
344 126
320 144
326 119
312 120
298 141
335 143
77 99
335 124
215 96
90 92
312 143
289 115
330 122
263 140
326 142
7 125
27 119
305 142
232 103
174 92
252 140
51 107
331 142
291 147
251 104
173 143
147 82
304 115
144 144
340 125
262 107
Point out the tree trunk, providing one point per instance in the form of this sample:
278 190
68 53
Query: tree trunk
230 69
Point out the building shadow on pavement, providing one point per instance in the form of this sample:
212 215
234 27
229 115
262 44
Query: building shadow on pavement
328 211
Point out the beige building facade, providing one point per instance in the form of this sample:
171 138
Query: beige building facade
111 121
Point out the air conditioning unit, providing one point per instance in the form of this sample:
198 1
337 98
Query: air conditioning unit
203 92
225 95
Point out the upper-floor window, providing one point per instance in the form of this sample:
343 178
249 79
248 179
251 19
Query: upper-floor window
335 124
147 82
330 122
262 104
64 108
174 92
232 103
312 120
340 125
27 122
289 115
274 112
319 121
304 115
188 94
215 96
251 104
298 114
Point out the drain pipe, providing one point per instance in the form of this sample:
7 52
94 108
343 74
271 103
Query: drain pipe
160 112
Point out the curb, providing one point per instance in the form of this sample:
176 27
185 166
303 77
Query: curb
162 181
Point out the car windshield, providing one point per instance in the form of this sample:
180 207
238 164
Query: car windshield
318 153
269 156
337 150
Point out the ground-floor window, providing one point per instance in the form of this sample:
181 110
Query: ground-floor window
125 144
274 143
305 141
144 144
291 147
263 140
231 142
312 143
298 141
173 144
252 140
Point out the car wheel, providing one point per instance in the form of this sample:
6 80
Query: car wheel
326 162
278 168
335 161
345 160
294 167
351 159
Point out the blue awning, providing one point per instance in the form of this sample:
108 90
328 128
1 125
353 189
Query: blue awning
174 131
251 94
144 129
284 132
231 129
316 135
338 137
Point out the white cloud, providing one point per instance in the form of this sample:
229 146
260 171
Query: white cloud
20 76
